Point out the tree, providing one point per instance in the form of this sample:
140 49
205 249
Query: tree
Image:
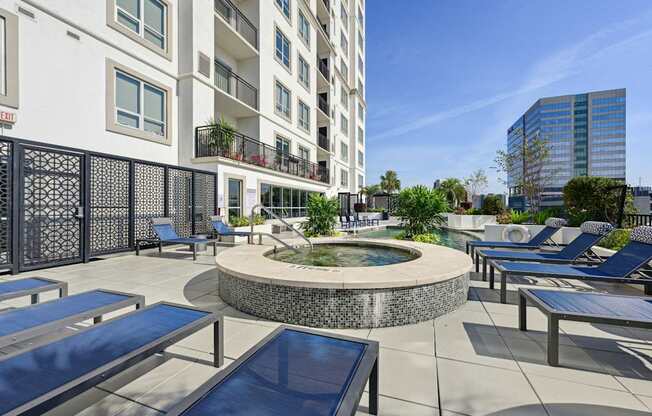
420 208
454 191
492 205
389 182
477 182
369 191
526 170
592 198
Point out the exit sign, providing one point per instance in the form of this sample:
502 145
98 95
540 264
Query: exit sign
7 117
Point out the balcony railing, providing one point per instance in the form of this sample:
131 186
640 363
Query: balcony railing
323 104
323 142
239 21
327 3
323 68
234 85
324 27
214 140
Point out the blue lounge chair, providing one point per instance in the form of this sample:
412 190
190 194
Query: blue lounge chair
224 230
36 380
592 233
600 308
17 325
552 226
294 372
31 287
166 235
616 269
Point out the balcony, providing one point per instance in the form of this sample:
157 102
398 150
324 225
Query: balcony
234 32
322 139
234 86
323 79
215 141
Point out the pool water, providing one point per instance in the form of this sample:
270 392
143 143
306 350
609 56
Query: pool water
450 239
344 255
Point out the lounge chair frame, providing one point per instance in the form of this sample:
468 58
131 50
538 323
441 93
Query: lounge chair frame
160 243
646 281
96 314
34 293
554 316
367 370
67 391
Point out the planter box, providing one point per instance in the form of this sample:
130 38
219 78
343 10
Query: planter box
564 236
470 222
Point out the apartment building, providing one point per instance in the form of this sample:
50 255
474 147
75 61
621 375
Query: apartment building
585 133
268 94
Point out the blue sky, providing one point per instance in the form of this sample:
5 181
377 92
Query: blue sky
445 79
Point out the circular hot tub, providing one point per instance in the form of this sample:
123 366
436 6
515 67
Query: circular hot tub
345 283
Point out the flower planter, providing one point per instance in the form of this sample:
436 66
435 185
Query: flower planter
470 222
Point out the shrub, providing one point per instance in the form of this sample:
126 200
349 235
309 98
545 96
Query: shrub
427 238
259 219
321 212
591 198
473 211
541 216
238 221
513 217
492 205
420 208
616 240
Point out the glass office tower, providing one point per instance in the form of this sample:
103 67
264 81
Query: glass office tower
586 135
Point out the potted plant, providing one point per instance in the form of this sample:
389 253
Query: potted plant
221 137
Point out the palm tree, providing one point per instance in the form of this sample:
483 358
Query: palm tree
369 191
454 190
389 182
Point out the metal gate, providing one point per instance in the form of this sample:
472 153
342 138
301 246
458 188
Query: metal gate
51 207
62 205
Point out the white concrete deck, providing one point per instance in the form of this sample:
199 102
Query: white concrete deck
471 362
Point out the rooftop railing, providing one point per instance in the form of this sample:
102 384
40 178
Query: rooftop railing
234 85
215 140
238 20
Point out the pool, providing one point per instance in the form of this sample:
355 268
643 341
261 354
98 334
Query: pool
452 239
344 255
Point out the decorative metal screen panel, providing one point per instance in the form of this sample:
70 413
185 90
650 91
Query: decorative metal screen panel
109 204
5 208
204 200
52 199
149 198
180 200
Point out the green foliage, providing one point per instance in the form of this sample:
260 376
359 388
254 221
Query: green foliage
592 198
513 217
454 191
492 205
616 240
427 238
477 182
541 216
473 211
221 137
238 221
322 213
389 182
420 208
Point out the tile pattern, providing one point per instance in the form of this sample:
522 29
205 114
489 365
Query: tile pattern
344 308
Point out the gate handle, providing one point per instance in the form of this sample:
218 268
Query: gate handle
80 213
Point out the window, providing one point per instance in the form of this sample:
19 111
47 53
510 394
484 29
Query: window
360 65
345 17
284 202
282 48
145 20
360 181
284 7
344 151
8 59
304 116
234 198
139 105
360 42
360 112
344 43
360 17
344 99
304 71
360 136
304 153
360 159
304 28
344 177
344 125
282 100
282 145
344 69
